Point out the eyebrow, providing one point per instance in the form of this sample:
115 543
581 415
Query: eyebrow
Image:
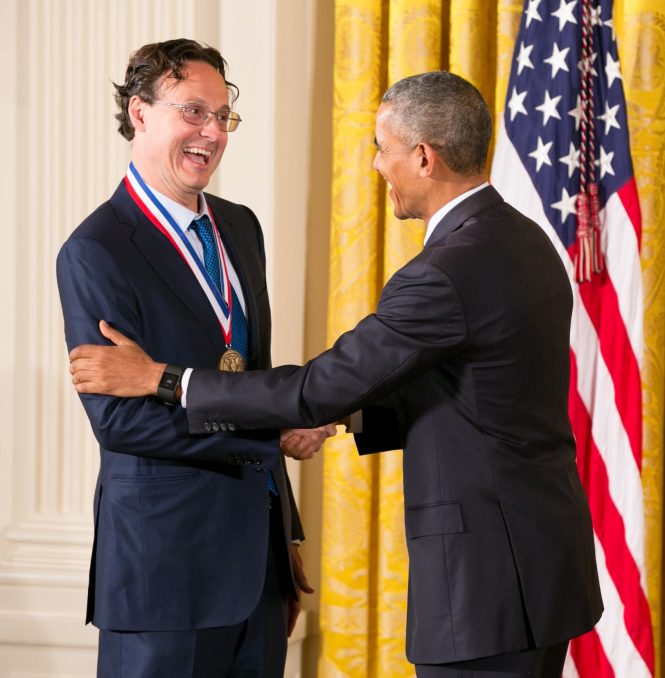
223 109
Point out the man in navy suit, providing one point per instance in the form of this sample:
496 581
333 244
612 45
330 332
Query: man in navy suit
464 365
193 569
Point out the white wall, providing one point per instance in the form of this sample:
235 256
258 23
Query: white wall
62 157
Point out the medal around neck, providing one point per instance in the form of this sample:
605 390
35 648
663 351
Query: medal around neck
232 361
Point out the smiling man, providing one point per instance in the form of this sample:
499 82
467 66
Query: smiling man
193 572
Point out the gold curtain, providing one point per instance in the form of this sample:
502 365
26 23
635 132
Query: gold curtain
364 562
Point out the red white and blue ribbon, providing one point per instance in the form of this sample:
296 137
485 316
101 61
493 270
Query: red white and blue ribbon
160 217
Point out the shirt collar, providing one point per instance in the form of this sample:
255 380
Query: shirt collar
182 215
441 212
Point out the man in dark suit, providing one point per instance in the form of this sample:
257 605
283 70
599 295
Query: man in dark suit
192 571
465 365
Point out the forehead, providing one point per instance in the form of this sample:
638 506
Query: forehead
202 82
385 123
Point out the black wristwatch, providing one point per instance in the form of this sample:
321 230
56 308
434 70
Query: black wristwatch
169 383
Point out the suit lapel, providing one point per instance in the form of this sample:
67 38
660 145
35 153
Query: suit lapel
163 257
478 202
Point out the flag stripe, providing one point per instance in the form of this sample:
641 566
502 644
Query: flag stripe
601 304
622 254
596 391
629 198
569 668
589 657
618 646
610 531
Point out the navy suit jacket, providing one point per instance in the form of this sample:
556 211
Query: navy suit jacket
181 520
464 365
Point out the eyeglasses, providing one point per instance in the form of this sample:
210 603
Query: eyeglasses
198 114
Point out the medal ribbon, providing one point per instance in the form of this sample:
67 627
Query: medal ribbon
159 216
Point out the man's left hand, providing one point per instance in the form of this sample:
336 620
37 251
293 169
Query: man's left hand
301 583
124 370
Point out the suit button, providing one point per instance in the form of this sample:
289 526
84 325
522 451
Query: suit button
231 427
207 427
222 427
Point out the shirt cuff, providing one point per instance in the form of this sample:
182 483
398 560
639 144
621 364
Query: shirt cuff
355 422
184 383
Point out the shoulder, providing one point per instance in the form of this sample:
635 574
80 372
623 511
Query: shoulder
97 226
238 219
102 230
114 219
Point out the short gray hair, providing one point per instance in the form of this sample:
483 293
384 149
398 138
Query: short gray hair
448 113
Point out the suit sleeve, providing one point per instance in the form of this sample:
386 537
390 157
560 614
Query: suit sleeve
419 322
92 286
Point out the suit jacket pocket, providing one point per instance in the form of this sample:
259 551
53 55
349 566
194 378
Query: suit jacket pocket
156 478
430 519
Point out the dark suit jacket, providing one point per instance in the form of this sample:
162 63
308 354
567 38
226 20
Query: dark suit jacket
181 520
468 355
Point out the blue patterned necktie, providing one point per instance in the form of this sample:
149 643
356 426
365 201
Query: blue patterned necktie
203 229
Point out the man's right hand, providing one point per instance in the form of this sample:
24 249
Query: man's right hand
304 443
123 370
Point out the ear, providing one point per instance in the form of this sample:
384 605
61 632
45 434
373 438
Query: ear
427 158
136 110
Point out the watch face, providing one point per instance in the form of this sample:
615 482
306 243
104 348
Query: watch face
169 383
169 380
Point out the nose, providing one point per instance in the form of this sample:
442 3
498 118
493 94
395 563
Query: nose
211 129
374 163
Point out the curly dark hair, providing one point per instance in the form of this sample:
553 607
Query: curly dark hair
149 63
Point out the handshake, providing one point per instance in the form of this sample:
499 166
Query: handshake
304 443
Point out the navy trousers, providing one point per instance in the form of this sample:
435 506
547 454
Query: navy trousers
255 648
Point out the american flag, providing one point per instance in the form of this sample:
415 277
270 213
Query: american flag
564 129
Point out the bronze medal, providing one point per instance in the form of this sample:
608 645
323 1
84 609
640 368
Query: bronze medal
232 361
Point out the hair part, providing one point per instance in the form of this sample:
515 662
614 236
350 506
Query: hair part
448 113
150 64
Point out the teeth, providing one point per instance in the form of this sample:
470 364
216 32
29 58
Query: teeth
197 151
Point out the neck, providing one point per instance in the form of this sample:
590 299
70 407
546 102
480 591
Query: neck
159 183
450 189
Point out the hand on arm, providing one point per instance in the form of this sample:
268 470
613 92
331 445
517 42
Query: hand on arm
123 370
304 443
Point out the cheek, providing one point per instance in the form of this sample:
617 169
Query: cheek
218 156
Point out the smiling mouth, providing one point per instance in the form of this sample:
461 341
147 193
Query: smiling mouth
201 156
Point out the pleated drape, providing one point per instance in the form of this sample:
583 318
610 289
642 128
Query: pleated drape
364 562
